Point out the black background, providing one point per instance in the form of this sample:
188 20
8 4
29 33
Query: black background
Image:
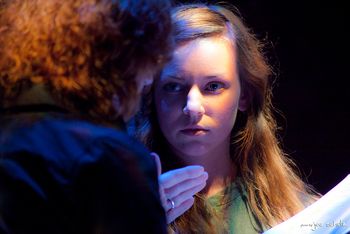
307 44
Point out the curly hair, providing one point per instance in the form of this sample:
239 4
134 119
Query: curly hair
85 52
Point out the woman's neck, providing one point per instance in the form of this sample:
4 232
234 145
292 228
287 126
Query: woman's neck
221 169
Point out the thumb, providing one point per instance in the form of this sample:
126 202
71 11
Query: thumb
158 163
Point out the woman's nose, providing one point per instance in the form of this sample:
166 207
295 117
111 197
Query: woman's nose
194 107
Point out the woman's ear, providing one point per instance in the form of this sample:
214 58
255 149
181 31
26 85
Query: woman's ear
244 100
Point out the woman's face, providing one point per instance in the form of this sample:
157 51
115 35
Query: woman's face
198 95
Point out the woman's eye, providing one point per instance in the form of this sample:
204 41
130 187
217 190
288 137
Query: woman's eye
173 87
214 87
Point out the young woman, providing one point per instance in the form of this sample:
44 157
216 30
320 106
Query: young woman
211 106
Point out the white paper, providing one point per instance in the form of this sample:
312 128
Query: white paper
329 215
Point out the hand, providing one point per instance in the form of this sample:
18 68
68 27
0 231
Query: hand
177 188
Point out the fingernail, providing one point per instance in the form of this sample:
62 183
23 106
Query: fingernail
206 175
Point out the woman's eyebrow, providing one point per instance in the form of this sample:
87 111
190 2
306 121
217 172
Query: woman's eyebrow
175 77
174 73
212 77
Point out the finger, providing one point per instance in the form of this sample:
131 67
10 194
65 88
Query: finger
182 208
170 205
186 195
163 199
170 178
185 185
158 163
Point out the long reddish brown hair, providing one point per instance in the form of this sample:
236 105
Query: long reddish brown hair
275 191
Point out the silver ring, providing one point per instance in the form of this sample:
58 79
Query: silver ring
172 203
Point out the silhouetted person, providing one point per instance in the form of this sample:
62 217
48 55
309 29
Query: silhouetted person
71 73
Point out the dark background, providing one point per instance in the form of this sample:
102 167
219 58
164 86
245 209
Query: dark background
307 43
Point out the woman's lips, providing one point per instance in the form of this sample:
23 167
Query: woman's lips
194 131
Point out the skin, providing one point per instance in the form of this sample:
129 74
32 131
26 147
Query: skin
179 186
144 79
197 98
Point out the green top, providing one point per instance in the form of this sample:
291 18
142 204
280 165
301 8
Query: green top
239 216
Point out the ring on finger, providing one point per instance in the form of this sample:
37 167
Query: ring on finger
172 203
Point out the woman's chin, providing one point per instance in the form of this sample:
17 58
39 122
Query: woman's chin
193 150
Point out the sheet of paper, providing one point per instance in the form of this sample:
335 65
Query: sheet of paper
329 215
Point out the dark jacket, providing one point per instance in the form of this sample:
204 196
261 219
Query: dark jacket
63 175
